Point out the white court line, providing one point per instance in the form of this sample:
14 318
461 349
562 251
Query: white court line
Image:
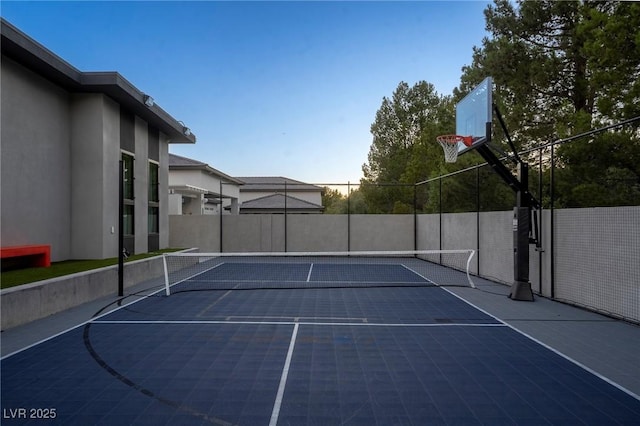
83 323
309 274
341 324
541 343
418 274
213 304
338 284
190 277
283 380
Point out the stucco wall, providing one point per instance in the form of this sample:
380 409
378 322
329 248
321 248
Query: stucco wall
36 163
60 155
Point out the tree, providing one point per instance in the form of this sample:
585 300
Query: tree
404 150
561 68
333 201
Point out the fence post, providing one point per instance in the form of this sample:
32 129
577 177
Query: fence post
285 215
440 213
121 229
348 216
478 219
415 218
552 202
541 222
220 207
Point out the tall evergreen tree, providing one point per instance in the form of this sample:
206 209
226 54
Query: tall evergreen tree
403 150
561 68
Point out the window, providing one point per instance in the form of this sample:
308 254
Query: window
129 211
153 183
128 228
154 224
154 199
127 161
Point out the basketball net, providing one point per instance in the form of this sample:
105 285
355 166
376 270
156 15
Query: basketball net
449 144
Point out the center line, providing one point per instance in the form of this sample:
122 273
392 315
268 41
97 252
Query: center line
283 380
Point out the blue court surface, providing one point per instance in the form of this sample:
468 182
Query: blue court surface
396 354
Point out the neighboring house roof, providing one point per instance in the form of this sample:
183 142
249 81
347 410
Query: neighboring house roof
177 162
34 56
275 183
279 202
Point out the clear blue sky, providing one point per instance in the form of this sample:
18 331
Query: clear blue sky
269 88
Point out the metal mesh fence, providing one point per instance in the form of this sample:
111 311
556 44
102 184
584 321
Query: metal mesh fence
588 187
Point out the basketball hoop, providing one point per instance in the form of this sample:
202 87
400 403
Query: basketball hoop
449 144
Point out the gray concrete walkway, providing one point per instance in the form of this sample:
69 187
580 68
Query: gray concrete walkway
606 346
20 337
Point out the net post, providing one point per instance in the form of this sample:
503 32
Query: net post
471 283
166 274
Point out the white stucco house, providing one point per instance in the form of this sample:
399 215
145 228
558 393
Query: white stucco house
196 188
64 133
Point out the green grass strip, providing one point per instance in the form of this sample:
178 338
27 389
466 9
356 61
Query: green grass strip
66 267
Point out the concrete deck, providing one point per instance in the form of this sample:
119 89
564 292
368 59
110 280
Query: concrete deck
606 346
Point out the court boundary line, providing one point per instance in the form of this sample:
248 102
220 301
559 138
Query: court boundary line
275 413
166 277
541 343
83 323
427 283
420 275
341 324
577 363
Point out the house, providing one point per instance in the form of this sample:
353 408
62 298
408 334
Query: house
277 194
195 188
64 133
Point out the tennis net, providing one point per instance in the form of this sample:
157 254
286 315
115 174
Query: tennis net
290 270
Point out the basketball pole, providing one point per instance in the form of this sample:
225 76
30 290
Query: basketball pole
521 288
522 226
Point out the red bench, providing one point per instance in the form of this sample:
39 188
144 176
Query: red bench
39 256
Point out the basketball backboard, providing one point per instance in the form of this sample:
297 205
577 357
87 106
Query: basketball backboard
474 115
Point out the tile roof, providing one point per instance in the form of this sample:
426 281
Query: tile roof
277 202
275 183
177 162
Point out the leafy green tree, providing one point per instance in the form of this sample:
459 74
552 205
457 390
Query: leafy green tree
612 48
404 150
333 201
561 68
357 203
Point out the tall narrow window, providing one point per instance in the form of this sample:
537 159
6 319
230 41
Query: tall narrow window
154 199
127 161
153 183
154 224
128 220
129 213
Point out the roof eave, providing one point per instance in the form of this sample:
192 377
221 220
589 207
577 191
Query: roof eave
34 56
